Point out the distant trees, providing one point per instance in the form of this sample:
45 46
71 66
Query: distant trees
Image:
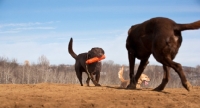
13 73
7 70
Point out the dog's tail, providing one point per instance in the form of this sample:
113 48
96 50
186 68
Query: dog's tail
120 74
190 26
70 50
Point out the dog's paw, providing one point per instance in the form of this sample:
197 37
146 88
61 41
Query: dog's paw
131 86
188 86
97 85
157 89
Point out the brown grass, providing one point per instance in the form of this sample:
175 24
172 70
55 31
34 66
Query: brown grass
73 95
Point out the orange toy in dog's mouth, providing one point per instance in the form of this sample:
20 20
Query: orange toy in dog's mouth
95 59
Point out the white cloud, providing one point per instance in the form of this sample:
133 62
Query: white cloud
9 31
35 28
19 27
26 24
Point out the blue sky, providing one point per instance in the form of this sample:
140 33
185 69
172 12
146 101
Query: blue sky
31 28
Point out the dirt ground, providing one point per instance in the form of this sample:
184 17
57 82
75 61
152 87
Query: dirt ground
75 96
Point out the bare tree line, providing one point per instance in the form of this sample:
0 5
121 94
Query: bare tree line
13 73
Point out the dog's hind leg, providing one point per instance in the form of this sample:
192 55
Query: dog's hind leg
79 75
178 68
165 80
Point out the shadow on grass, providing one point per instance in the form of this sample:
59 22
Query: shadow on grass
140 89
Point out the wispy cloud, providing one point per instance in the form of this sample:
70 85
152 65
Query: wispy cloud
19 24
35 28
26 24
9 31
19 27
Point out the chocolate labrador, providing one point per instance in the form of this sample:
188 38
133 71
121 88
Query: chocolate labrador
90 69
162 38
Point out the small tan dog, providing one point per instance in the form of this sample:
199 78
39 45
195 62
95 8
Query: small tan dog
124 83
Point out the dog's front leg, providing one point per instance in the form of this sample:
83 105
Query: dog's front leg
131 58
142 66
97 77
94 81
88 81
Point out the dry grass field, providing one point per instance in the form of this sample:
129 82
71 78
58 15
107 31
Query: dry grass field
50 95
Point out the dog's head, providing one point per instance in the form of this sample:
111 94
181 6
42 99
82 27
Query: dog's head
95 52
144 78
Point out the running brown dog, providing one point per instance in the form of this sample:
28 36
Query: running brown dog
90 69
162 38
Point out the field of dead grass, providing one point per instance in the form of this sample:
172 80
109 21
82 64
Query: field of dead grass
76 96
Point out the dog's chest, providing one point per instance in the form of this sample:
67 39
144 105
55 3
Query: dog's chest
94 67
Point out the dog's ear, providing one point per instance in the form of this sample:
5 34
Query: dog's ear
103 51
91 53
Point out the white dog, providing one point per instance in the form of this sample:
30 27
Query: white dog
124 83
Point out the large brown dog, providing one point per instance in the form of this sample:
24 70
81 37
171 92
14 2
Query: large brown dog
90 69
162 38
124 83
